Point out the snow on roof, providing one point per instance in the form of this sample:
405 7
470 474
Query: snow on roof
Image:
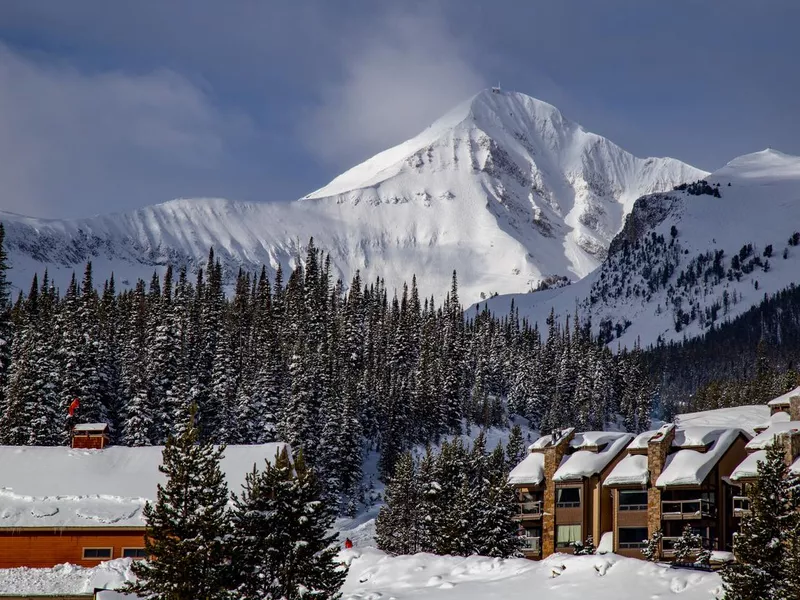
586 463
590 439
748 468
631 470
741 417
90 427
778 417
530 470
691 467
546 440
784 399
767 437
96 488
640 441
794 468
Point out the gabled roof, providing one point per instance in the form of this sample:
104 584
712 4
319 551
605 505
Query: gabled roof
587 463
701 449
784 399
547 440
530 471
748 468
64 487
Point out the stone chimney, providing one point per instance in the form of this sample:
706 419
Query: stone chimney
553 453
657 451
794 408
790 441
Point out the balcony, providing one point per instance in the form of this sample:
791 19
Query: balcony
531 545
530 510
668 546
741 506
686 509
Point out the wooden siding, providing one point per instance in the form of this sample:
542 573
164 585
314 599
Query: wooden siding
46 548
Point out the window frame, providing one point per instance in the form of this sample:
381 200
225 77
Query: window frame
633 507
134 548
570 504
96 549
570 543
632 545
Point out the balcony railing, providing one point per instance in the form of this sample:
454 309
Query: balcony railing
531 544
686 509
633 545
530 509
633 507
568 504
668 545
741 506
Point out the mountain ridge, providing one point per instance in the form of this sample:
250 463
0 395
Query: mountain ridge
503 189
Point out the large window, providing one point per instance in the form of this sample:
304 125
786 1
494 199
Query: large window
567 535
633 537
633 500
568 497
133 553
92 553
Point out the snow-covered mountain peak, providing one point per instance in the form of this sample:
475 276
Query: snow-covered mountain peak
503 188
760 167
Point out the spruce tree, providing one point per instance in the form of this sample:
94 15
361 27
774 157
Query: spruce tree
766 546
397 529
187 526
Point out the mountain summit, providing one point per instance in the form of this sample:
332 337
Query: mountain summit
503 188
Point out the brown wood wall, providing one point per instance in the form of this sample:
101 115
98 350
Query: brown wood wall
46 549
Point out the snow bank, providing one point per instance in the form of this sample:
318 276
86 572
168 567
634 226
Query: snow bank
377 576
90 488
690 467
66 578
586 463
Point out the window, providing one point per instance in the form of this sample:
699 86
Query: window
566 535
633 500
133 553
91 553
568 497
633 537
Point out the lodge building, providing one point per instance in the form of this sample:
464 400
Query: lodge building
83 504
620 489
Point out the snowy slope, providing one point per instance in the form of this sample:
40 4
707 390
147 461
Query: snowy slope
503 188
759 204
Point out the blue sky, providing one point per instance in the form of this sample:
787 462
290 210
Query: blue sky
107 106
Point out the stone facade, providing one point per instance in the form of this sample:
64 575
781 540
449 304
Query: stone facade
794 408
657 450
553 454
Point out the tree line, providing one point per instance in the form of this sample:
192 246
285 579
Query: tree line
333 369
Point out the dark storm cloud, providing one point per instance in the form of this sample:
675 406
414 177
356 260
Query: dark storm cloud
108 106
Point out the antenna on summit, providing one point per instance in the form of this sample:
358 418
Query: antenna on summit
496 90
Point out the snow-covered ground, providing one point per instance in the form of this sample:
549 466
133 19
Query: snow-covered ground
65 579
376 576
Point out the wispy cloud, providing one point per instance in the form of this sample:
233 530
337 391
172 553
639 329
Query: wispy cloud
399 74
66 133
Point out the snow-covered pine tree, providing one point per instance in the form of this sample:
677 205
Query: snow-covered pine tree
515 448
6 329
397 529
652 551
498 530
280 546
188 525
766 546
688 545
